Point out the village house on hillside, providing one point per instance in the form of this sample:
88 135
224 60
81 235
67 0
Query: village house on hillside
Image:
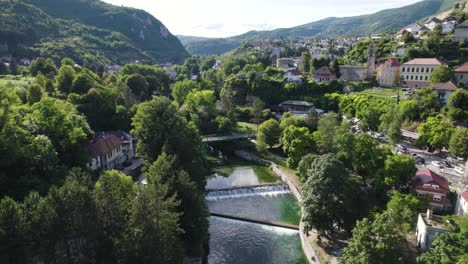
432 23
436 187
416 73
445 90
293 76
110 150
461 32
286 64
461 74
388 73
324 74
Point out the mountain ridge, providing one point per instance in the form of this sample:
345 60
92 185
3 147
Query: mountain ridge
331 27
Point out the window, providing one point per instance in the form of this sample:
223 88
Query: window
437 198
412 69
427 69
412 77
417 69
427 185
420 78
435 187
461 76
426 78
403 69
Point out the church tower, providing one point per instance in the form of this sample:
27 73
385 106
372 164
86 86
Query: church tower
371 61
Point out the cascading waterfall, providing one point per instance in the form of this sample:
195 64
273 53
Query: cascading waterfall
241 192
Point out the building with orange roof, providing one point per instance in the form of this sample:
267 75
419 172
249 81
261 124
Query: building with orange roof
388 73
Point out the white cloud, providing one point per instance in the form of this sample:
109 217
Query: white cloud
221 18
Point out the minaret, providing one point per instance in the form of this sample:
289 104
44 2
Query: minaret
371 61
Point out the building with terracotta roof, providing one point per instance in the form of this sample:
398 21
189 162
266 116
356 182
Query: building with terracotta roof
293 76
461 74
461 32
105 151
388 73
416 73
430 184
324 74
445 90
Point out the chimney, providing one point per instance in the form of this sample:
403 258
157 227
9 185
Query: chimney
429 214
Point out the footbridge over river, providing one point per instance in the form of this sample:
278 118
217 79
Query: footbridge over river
230 137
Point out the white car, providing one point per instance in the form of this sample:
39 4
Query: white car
437 164
459 170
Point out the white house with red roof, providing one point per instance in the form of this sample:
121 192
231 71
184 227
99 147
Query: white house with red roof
293 76
436 187
105 152
416 73
445 90
324 74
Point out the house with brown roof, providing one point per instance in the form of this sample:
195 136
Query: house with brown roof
417 72
445 90
399 35
105 152
293 76
461 74
388 73
435 187
324 74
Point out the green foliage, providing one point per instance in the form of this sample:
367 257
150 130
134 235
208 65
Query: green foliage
368 156
158 80
297 142
458 144
34 93
65 78
45 66
441 74
200 108
327 180
399 169
435 133
458 106
138 85
325 132
374 242
391 125
180 90
305 62
427 103
82 83
269 133
404 210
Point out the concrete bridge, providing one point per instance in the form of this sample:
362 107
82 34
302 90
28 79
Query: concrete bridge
220 138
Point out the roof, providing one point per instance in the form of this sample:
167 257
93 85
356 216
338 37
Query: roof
463 25
325 70
104 144
448 86
292 102
118 133
402 31
394 62
463 68
295 72
434 19
425 176
423 61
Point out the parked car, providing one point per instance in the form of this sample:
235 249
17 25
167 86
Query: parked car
408 93
446 164
419 160
437 164
459 170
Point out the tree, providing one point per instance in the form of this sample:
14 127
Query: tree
181 89
326 132
138 85
289 120
297 142
194 214
368 156
3 69
374 242
458 145
269 133
200 108
306 163
336 68
67 61
343 145
458 105
427 102
404 210
399 169
435 133
257 111
390 125
34 93
114 194
160 128
441 74
82 83
305 62
65 78
328 180
44 66
10 229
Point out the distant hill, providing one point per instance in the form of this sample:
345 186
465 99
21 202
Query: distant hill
85 29
190 39
386 20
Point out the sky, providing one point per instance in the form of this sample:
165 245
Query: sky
222 18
